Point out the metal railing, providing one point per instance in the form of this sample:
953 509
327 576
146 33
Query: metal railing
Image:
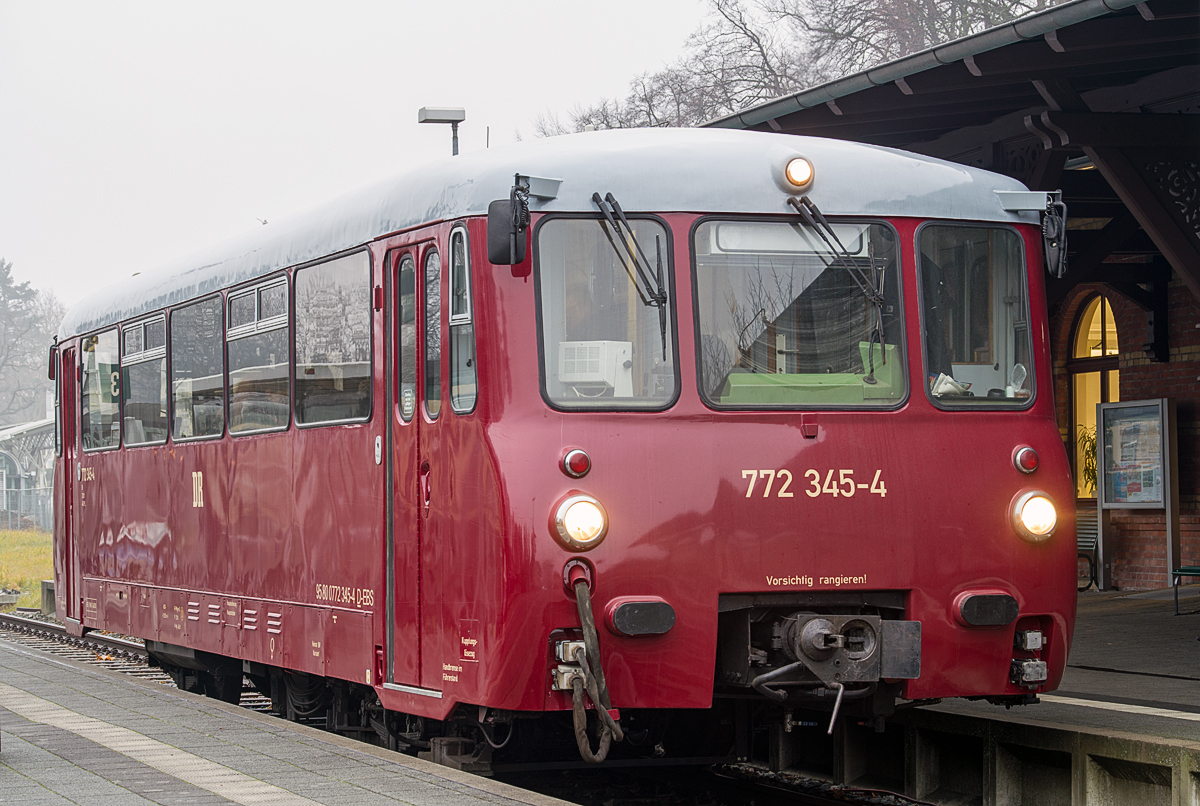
30 508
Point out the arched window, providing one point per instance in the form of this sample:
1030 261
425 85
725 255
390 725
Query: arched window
1094 379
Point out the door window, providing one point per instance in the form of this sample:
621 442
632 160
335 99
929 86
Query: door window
433 334
406 353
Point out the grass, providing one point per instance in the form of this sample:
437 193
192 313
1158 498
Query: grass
26 558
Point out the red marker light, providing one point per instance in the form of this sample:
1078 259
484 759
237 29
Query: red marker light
576 464
1026 459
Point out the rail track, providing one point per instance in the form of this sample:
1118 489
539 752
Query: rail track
117 654
722 785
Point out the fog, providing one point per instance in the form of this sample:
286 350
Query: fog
133 133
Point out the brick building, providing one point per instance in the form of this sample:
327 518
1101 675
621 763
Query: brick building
1101 99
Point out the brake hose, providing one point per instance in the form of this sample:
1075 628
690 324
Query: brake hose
592 681
580 719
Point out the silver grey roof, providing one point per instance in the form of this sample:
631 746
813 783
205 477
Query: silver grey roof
648 170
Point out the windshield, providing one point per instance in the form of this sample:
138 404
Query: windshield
975 314
603 345
787 321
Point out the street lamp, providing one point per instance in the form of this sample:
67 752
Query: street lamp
438 114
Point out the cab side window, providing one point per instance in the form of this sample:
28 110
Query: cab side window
463 385
99 404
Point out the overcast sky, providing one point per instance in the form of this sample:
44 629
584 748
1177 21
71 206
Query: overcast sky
133 133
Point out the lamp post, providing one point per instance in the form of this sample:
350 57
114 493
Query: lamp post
438 114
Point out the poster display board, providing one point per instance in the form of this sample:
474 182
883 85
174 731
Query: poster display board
1138 467
1133 453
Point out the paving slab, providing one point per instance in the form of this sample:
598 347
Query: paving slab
77 734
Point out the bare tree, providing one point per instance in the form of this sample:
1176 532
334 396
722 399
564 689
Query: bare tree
749 51
28 319
738 57
853 35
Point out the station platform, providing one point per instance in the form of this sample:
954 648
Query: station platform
75 734
1134 667
1122 728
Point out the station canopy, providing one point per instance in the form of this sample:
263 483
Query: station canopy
1098 98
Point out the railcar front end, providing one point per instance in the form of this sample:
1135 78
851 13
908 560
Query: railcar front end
853 503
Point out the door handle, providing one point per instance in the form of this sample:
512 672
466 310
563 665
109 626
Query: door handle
425 487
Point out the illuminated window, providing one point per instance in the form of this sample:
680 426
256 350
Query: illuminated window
1094 379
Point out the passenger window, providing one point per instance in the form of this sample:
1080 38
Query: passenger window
433 334
144 386
407 326
99 405
462 330
333 340
198 371
258 358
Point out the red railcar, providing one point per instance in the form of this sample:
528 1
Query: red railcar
774 413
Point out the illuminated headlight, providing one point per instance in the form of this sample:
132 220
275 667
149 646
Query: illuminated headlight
580 522
1034 516
799 172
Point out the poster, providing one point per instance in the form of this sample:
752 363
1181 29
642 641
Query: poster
1133 455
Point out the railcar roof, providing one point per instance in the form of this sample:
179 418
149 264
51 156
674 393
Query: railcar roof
647 170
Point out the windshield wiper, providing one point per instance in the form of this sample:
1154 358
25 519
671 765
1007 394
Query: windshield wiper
647 282
871 285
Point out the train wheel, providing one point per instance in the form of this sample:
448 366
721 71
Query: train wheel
185 679
224 685
307 696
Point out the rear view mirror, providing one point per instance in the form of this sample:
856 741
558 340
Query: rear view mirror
53 361
506 232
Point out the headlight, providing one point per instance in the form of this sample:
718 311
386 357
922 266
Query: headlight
799 172
580 522
1034 516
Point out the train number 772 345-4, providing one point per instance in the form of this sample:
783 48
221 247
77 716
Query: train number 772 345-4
837 483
